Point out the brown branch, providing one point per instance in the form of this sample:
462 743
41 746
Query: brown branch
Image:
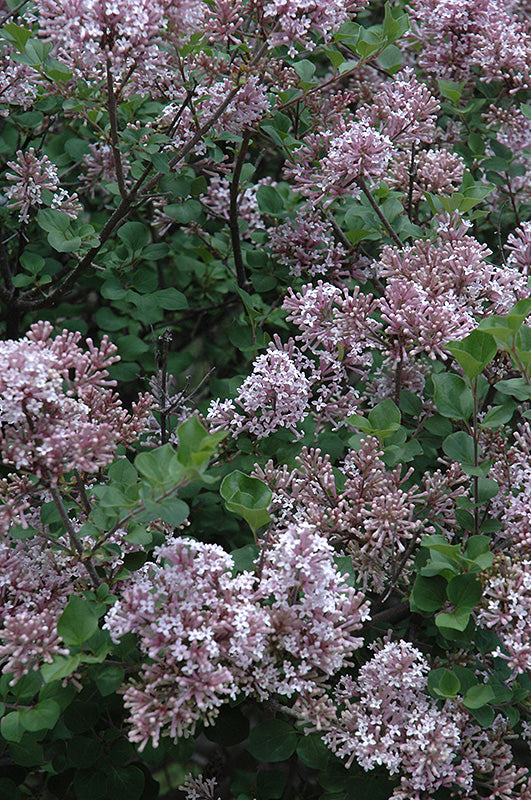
74 541
12 12
29 301
233 214
113 121
364 188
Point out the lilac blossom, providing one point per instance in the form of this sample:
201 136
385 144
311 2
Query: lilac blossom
200 630
385 717
307 244
34 589
93 36
275 395
313 613
18 82
460 36
335 320
58 411
208 636
438 171
199 788
359 152
99 168
404 110
436 289
506 608
519 248
248 106
292 21
31 176
361 507
216 200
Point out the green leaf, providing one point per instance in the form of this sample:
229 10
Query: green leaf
457 620
451 90
498 415
125 783
452 396
185 212
53 221
134 235
464 591
108 678
11 727
474 352
385 417
270 201
478 696
517 387
43 716
196 445
244 558
156 466
270 784
443 683
122 471
428 594
459 447
78 622
248 497
313 752
83 752
64 242
304 69
487 489
272 740
60 668
170 510
15 34
231 727
170 299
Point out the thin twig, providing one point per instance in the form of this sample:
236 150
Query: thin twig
412 175
113 120
364 188
28 300
233 213
74 541
12 12
82 492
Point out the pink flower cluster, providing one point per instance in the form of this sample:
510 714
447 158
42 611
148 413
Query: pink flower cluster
519 247
359 152
90 36
437 170
506 608
458 37
275 395
306 244
18 82
208 635
33 175
436 289
404 110
361 506
385 717
216 199
34 589
312 616
292 21
200 630
58 411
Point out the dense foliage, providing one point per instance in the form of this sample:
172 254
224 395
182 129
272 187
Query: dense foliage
265 399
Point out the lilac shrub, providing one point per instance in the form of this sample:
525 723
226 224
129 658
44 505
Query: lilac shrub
264 400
